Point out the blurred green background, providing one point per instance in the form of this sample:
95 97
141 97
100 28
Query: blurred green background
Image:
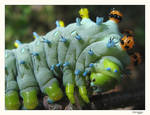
22 20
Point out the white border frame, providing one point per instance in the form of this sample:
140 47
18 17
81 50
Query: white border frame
75 2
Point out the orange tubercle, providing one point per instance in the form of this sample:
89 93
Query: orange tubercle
115 16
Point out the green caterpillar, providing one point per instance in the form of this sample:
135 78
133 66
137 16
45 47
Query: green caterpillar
80 52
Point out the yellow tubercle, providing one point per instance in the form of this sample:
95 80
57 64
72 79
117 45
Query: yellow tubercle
84 13
61 23
16 45
34 37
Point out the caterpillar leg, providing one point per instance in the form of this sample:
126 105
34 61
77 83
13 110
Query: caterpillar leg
80 82
30 99
12 100
70 92
26 79
53 91
43 73
83 94
69 83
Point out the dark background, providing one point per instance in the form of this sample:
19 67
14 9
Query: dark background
22 20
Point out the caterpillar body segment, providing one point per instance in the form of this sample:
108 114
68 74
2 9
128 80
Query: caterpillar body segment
11 85
26 80
43 73
25 73
10 71
80 52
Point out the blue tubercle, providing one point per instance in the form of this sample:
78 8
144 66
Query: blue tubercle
52 67
57 23
99 20
57 65
66 64
63 39
77 72
78 21
78 37
18 42
108 69
90 52
111 43
22 62
35 35
91 65
85 73
115 71
35 54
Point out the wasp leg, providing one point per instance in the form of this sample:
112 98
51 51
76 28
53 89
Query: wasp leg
30 99
83 93
53 91
12 100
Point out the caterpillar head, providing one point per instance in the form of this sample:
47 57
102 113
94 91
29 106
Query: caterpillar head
106 74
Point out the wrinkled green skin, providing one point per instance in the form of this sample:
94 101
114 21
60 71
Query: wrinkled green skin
35 75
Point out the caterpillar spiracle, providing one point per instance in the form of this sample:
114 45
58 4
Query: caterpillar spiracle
83 54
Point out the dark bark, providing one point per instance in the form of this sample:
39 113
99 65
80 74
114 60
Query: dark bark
133 97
